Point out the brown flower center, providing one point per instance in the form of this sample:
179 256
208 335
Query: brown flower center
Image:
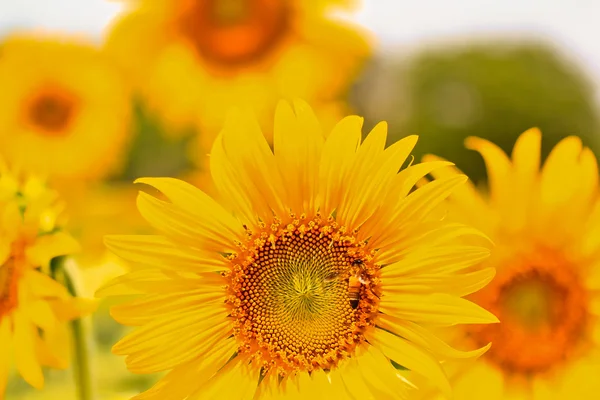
542 310
51 112
234 32
302 295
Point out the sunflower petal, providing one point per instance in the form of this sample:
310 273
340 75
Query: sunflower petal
25 356
338 151
498 167
435 309
160 252
436 260
421 336
195 202
410 356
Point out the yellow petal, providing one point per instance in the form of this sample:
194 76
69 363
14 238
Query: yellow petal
181 226
141 281
182 380
338 152
428 235
25 355
525 171
47 247
40 314
45 355
354 381
455 284
409 356
73 308
228 183
237 380
254 164
5 350
498 167
58 344
323 389
424 338
298 143
379 372
416 207
406 179
195 202
557 183
167 342
466 200
371 185
436 309
41 285
145 309
160 252
442 259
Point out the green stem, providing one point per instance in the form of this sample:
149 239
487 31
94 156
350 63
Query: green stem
81 347
82 361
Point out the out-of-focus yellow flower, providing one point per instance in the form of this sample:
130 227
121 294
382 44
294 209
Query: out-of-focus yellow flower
320 272
99 210
64 107
546 225
33 306
195 59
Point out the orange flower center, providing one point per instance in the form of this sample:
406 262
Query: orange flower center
9 280
302 295
234 32
542 310
51 112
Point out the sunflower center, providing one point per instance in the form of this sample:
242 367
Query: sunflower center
303 295
234 32
51 112
543 312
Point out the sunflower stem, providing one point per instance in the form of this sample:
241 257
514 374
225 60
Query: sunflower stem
81 370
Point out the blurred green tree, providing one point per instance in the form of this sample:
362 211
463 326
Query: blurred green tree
496 90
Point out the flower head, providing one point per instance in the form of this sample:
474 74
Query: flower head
197 58
320 271
33 306
64 108
545 223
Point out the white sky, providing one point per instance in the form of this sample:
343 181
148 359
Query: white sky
572 24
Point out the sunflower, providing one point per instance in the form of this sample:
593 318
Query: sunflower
194 59
319 274
546 227
64 108
33 306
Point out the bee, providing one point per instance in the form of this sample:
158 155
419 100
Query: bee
355 279
355 282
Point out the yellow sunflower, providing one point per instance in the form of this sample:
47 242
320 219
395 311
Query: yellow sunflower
194 59
64 108
33 306
546 227
318 274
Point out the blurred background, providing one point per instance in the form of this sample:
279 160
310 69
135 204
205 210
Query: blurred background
150 84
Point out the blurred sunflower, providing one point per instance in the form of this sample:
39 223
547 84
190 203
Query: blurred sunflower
194 59
319 275
64 108
546 225
93 210
33 306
